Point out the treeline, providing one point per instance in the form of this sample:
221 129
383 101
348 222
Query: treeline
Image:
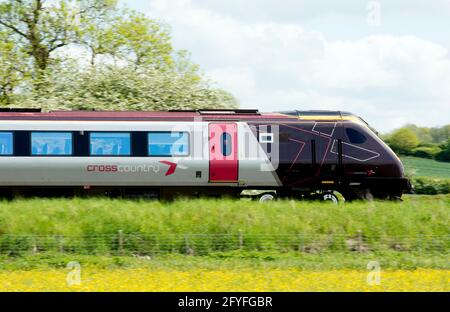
93 54
423 142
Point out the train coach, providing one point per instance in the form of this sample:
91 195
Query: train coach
295 154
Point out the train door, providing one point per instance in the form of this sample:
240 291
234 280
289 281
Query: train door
223 153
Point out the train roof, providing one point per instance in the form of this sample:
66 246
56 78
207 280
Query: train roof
172 115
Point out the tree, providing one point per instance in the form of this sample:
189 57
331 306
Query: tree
403 140
97 31
429 151
13 70
441 134
139 70
422 133
125 88
144 41
444 155
39 28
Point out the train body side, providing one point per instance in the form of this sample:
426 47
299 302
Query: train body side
288 155
84 171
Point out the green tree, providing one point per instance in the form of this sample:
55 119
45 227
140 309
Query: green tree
13 70
125 88
403 140
97 31
429 151
144 41
444 155
39 27
423 133
441 134
140 69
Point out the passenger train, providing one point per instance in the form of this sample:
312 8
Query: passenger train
294 154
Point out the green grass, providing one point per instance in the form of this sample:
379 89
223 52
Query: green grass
422 167
105 232
100 216
233 260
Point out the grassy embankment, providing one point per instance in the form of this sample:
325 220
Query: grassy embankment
224 233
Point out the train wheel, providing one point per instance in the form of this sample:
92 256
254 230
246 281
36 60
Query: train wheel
349 195
395 198
266 197
368 195
330 197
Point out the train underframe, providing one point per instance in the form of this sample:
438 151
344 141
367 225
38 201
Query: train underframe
366 189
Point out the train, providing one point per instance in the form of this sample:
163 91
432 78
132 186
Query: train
325 155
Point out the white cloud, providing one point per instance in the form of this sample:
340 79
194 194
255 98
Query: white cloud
388 79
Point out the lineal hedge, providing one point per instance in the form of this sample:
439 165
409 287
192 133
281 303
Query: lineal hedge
431 186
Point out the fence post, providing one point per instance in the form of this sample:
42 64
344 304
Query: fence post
120 242
61 243
301 246
34 248
420 243
241 239
188 249
360 241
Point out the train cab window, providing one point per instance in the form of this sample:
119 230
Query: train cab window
168 144
355 136
110 144
51 143
225 143
6 143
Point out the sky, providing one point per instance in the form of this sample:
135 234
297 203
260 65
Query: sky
386 61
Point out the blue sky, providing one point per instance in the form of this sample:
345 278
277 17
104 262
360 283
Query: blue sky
387 61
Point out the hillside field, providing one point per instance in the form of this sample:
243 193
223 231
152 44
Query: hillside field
422 167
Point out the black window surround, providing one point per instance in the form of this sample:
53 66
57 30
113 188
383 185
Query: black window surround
22 143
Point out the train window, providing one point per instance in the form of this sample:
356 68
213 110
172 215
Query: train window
168 144
6 143
266 138
51 143
110 144
225 143
355 136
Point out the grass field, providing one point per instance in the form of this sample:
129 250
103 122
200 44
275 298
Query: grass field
428 215
224 244
426 167
219 229
104 226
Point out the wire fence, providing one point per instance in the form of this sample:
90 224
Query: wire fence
121 243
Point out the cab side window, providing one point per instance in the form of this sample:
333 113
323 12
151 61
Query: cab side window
354 136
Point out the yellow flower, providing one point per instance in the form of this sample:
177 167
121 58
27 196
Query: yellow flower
197 279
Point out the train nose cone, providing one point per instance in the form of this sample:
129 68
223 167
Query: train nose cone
399 168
